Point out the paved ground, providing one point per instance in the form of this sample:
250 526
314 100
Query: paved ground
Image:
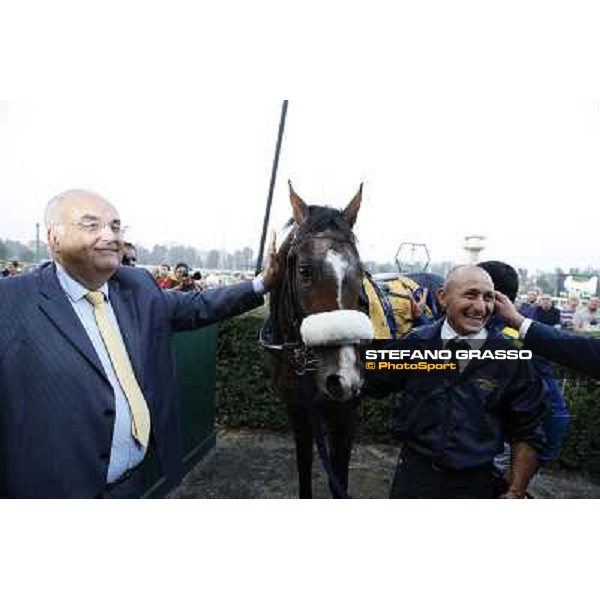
251 464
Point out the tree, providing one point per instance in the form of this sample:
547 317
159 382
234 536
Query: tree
159 254
18 251
27 255
44 251
238 260
227 261
247 258
179 253
442 268
547 283
212 259
370 265
144 255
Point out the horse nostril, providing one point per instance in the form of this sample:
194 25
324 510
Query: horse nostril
333 384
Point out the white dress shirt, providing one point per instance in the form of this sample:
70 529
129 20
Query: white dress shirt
475 340
125 452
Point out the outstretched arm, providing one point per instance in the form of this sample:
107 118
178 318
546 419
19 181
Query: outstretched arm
197 309
576 352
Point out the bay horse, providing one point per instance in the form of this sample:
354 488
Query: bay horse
315 326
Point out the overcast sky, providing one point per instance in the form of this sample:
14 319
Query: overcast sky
491 129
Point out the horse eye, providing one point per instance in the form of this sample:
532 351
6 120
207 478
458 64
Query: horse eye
305 272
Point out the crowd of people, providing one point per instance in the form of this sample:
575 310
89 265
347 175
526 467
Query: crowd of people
181 278
570 317
10 269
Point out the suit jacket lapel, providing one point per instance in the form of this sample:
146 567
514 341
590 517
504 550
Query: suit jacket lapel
55 304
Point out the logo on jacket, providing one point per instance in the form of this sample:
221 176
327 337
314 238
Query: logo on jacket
488 385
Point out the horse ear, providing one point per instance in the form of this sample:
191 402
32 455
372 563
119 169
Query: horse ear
351 211
299 208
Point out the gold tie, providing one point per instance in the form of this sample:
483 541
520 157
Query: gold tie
140 415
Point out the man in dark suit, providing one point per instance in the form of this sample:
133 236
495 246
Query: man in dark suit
576 352
453 426
87 377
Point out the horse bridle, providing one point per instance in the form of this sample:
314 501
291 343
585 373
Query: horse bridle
299 356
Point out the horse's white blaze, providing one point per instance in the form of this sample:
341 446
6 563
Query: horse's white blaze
339 265
349 371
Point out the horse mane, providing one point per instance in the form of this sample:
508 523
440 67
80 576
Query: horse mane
324 218
277 303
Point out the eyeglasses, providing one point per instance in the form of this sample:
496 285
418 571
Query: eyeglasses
95 227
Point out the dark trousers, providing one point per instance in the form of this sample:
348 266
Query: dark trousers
418 477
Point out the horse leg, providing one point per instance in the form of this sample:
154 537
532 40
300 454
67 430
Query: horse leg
342 425
303 437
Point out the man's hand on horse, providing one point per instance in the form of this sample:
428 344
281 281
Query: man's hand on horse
270 273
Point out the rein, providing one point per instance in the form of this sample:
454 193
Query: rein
304 363
310 396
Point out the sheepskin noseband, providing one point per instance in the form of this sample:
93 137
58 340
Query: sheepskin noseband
336 328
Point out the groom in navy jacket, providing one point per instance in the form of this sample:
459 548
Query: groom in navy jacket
65 421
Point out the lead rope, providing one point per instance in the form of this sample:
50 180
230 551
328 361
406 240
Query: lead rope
309 394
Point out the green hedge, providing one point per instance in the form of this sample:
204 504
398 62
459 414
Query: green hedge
246 398
581 448
245 394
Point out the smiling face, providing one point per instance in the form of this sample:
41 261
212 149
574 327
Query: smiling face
468 297
85 238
